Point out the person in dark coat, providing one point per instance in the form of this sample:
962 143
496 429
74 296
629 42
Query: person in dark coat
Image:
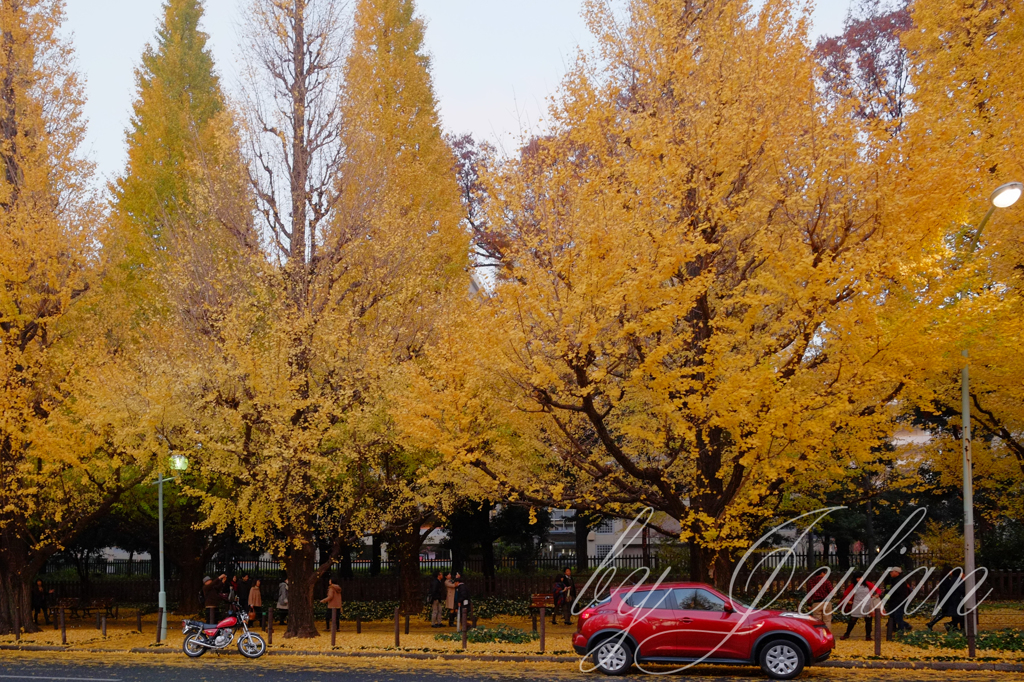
39 598
213 596
570 594
437 600
244 586
896 594
948 597
463 604
558 594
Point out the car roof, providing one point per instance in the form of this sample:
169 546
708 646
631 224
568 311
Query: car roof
644 588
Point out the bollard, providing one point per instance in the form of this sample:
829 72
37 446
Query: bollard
397 640
334 625
63 629
159 620
17 624
533 615
878 631
543 621
359 625
407 623
138 615
465 627
104 623
270 625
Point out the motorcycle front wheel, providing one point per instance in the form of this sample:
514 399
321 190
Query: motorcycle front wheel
251 645
192 648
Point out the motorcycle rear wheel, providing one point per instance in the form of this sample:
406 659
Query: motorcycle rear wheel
251 645
191 647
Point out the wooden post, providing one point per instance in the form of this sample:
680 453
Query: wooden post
359 625
465 627
542 621
138 615
97 621
407 623
334 626
17 623
103 620
63 629
397 640
533 616
878 631
270 625
159 620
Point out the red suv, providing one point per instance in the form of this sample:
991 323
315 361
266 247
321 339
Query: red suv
686 622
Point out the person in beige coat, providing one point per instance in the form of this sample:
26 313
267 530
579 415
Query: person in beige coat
333 600
449 601
256 600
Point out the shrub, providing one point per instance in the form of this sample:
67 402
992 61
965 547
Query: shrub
1008 639
503 633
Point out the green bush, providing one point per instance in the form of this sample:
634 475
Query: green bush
1009 639
502 633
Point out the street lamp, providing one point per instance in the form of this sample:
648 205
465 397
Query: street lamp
1003 197
177 463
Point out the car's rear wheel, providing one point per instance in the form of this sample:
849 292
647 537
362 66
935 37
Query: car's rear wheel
613 656
781 659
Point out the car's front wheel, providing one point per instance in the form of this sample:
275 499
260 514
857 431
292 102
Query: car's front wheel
613 656
781 659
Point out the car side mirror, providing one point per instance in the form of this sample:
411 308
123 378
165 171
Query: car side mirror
728 608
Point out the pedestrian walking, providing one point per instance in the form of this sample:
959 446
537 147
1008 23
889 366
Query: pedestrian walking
949 595
256 602
282 600
896 595
820 595
449 600
213 596
860 599
437 600
40 596
333 599
570 594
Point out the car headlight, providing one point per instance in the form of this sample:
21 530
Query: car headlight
799 616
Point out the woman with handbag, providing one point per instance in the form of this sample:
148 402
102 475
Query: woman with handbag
255 602
860 600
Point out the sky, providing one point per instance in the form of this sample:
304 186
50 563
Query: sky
495 62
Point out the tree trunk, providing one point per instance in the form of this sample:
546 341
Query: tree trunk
487 548
300 566
15 585
583 525
346 561
375 555
407 543
710 566
843 553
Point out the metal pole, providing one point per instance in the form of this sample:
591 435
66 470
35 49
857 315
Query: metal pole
161 600
965 431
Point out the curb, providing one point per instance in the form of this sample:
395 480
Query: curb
539 658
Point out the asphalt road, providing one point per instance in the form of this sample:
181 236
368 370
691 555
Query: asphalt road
233 669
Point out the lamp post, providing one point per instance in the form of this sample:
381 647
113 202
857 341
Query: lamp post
1003 197
178 463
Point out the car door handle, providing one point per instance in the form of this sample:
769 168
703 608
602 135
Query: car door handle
686 620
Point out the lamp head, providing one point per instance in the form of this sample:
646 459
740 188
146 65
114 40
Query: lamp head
179 462
1007 195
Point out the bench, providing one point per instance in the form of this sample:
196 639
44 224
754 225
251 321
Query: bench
107 605
70 606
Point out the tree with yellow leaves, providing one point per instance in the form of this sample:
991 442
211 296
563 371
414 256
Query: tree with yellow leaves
705 292
73 434
361 219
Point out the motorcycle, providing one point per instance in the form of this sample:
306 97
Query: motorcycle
201 637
